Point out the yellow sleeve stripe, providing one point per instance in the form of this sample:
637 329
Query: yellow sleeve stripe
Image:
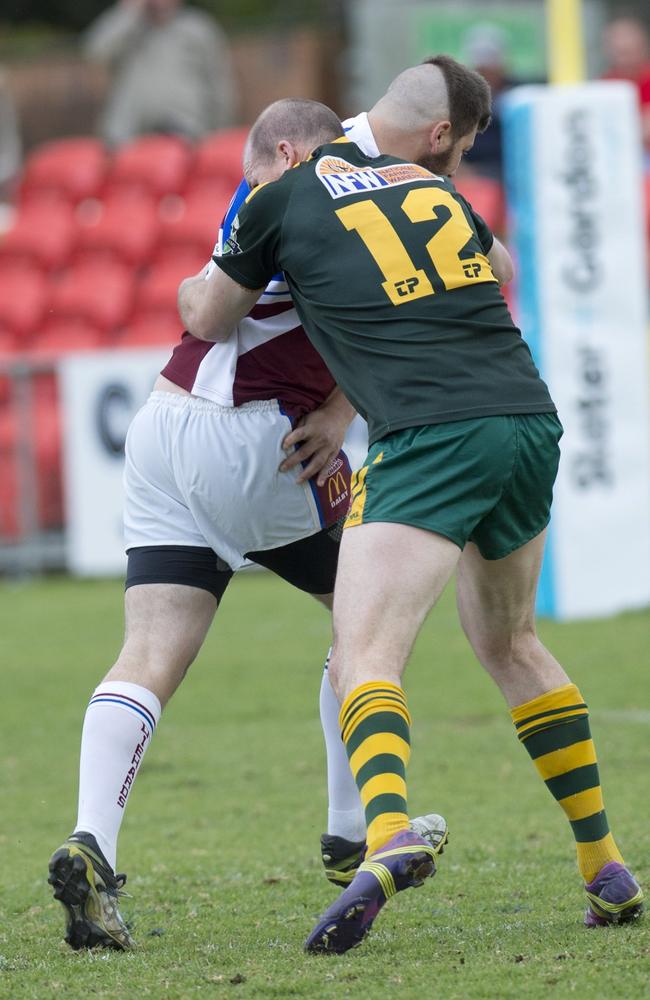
251 194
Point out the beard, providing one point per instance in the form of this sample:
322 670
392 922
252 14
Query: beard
437 163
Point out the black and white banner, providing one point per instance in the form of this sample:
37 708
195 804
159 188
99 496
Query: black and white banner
100 393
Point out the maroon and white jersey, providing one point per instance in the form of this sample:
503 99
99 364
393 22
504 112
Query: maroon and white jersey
269 356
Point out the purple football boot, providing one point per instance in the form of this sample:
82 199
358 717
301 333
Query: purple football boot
615 897
405 861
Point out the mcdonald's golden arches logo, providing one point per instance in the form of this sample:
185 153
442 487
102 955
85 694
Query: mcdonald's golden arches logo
337 488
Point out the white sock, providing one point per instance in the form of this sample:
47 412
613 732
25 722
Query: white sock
345 815
119 723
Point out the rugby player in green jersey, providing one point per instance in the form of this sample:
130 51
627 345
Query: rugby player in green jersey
392 277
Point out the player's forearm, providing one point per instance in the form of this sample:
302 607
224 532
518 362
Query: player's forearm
211 304
188 299
501 262
340 406
193 309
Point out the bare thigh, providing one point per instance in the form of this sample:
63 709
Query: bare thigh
389 577
165 626
496 604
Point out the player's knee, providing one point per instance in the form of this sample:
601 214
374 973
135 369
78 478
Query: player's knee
504 648
142 660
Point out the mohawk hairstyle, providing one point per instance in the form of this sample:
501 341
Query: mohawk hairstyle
468 93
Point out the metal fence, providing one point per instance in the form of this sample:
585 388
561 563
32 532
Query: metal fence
31 501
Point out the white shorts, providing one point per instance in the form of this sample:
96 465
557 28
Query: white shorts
201 474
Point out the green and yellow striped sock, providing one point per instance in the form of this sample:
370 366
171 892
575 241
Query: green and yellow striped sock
375 727
554 728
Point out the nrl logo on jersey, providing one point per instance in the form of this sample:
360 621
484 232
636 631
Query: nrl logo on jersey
231 245
341 178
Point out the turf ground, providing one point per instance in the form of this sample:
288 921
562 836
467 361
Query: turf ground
221 837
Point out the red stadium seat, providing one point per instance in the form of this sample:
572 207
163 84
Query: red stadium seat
9 345
155 328
122 230
194 225
158 164
220 155
486 197
62 335
99 294
43 233
159 287
23 297
210 195
70 168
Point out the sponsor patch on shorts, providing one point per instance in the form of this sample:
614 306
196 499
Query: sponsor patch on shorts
333 497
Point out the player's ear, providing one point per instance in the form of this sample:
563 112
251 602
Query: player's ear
440 137
288 154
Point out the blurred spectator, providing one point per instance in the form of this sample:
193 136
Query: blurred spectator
484 48
627 53
10 148
170 67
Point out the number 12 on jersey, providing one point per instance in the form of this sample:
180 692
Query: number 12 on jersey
403 282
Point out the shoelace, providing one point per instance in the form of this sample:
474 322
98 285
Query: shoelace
113 884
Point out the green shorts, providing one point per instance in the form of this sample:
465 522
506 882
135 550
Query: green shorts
487 480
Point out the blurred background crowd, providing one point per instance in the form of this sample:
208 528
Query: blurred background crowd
137 67
121 130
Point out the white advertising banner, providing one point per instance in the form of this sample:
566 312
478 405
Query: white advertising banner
100 394
574 189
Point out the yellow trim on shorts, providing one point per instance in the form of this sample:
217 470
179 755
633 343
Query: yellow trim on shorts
358 493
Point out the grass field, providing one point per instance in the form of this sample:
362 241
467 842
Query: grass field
221 837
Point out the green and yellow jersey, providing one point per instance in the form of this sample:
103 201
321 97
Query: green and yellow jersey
387 266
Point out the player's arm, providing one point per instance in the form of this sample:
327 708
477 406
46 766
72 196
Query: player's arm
500 262
318 437
499 258
212 304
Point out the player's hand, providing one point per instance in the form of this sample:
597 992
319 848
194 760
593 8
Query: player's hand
318 438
